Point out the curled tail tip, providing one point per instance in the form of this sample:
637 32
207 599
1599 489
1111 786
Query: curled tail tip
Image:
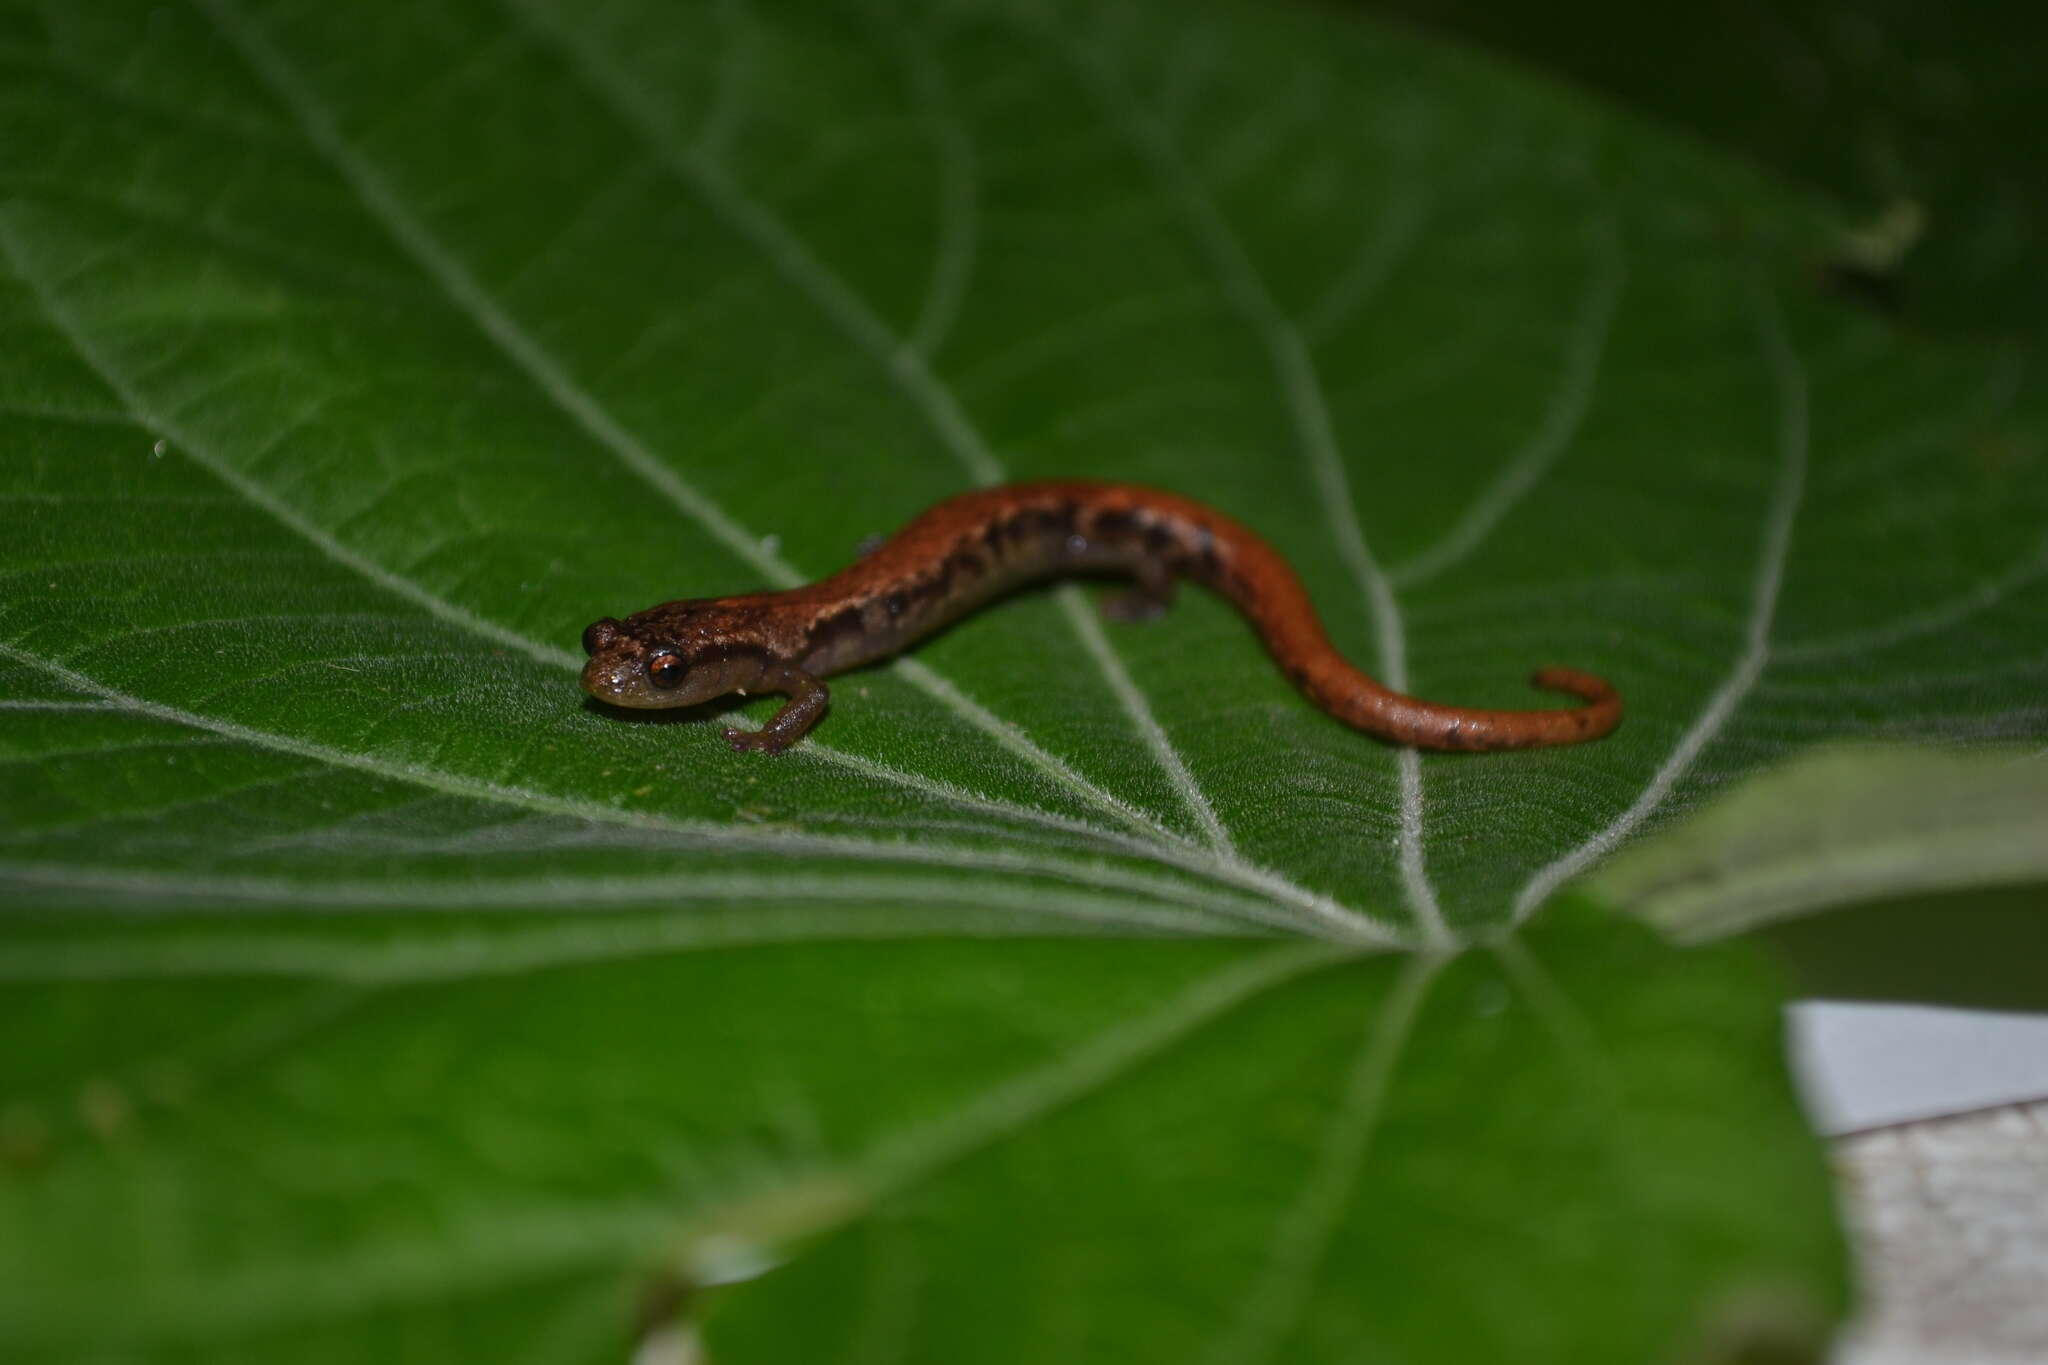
1602 701
1578 683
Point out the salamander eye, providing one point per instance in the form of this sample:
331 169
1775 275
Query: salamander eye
598 634
665 668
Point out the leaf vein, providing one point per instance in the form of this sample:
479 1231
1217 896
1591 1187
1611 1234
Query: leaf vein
1301 389
67 324
1789 377
1302 1238
1561 422
1327 916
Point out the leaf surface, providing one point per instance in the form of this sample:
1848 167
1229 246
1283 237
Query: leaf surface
1075 991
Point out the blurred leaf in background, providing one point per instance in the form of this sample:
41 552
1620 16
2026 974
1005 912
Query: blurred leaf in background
1075 992
1920 120
1942 857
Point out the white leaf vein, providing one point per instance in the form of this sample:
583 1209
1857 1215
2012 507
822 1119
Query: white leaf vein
1317 916
257 495
1942 616
1562 420
1789 378
958 197
1282 1291
1301 389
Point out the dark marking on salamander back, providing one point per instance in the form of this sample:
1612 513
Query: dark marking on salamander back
834 630
1064 518
961 566
1117 525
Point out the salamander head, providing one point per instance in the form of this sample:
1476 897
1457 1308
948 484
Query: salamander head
664 657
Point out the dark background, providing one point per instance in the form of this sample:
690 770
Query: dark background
1879 103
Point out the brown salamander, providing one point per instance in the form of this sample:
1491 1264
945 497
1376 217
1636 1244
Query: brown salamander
964 551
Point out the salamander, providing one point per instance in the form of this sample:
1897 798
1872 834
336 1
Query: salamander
962 552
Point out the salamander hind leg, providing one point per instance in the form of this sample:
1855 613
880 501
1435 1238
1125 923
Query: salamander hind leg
1147 600
808 698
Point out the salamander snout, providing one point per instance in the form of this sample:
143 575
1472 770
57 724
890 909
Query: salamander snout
617 678
617 671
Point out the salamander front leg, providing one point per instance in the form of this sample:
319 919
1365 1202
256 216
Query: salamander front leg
808 698
1146 600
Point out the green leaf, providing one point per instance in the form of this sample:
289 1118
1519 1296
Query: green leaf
1839 828
1075 992
1942 857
